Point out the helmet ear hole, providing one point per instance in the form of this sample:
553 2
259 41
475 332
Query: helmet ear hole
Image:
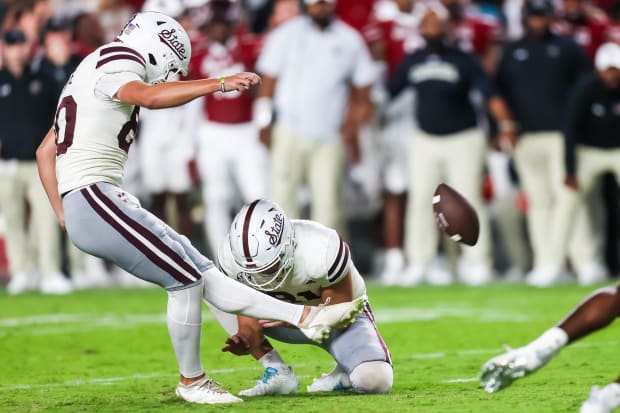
152 60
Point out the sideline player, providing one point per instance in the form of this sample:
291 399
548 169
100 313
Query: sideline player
593 314
83 157
299 261
391 34
232 162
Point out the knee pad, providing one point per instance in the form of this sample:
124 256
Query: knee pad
372 377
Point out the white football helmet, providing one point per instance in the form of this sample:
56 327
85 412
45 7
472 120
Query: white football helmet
263 244
162 42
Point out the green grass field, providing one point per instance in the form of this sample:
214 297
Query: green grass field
108 351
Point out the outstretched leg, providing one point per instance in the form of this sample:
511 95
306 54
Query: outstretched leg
594 313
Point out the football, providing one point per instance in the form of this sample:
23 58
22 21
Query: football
455 216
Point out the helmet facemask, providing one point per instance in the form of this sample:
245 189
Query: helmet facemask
260 279
171 69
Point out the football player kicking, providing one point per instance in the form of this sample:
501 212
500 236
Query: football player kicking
305 262
595 313
82 159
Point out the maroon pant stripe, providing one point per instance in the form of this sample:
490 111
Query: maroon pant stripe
154 239
371 317
151 255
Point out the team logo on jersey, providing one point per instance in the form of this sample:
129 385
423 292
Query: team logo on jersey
5 90
170 39
276 230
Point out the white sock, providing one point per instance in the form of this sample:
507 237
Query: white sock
231 296
553 339
184 318
272 359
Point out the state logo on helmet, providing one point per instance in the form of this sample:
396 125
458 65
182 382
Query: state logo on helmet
162 41
262 243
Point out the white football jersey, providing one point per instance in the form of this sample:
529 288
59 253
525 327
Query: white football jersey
321 259
93 129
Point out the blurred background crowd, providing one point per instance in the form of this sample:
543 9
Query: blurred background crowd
365 106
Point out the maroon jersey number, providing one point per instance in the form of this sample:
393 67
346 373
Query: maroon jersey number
64 141
68 104
130 127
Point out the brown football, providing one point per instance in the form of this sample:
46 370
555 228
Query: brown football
455 216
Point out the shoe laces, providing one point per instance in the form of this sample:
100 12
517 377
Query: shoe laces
213 386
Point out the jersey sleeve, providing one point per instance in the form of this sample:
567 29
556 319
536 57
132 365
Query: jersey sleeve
109 84
117 66
338 258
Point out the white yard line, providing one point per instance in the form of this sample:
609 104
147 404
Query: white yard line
111 380
463 380
64 323
433 355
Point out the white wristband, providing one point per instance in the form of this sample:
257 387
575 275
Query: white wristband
262 111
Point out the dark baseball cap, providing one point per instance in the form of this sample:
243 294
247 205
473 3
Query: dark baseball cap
14 36
58 24
538 8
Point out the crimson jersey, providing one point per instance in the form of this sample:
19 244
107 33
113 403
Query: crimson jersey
239 54
355 13
476 34
399 37
589 35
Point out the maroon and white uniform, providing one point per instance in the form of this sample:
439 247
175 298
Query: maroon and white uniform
232 162
355 13
398 33
476 33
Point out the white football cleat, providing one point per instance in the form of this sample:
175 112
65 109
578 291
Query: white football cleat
336 380
56 284
274 381
393 267
439 272
545 276
20 283
325 318
602 400
205 391
499 372
412 276
592 273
